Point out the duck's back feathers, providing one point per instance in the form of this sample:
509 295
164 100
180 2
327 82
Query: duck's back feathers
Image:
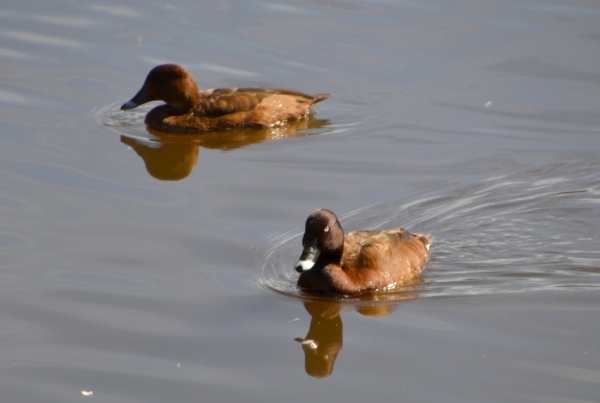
224 101
395 253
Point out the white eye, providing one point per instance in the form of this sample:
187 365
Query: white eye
326 229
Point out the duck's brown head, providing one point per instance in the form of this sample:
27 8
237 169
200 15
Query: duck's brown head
170 83
323 241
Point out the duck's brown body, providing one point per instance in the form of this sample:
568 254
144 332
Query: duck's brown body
359 262
188 110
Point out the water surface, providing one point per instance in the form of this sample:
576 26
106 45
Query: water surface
152 268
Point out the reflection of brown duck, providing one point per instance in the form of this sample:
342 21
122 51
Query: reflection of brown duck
188 110
166 160
172 156
361 261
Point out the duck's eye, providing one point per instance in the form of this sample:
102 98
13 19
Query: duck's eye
326 229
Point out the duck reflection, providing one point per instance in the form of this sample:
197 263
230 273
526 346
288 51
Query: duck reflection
324 339
172 157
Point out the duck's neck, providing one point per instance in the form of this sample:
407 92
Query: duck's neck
184 102
330 257
158 114
182 108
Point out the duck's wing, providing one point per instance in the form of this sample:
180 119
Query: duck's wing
219 102
382 246
353 245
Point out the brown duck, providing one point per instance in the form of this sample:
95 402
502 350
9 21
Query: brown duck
188 110
359 262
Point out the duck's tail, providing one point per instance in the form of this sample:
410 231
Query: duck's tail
319 97
427 239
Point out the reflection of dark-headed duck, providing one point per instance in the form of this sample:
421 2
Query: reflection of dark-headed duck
324 339
188 110
361 261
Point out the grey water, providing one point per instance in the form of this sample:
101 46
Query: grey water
151 268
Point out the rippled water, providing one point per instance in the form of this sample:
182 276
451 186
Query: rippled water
522 232
146 267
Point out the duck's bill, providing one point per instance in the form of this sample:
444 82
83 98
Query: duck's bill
140 98
308 258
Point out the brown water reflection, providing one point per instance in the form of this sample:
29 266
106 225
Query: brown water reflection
173 156
324 339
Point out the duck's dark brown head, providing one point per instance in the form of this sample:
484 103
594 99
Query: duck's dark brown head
323 241
170 83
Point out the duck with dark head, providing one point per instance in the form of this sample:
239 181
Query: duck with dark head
188 110
358 262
